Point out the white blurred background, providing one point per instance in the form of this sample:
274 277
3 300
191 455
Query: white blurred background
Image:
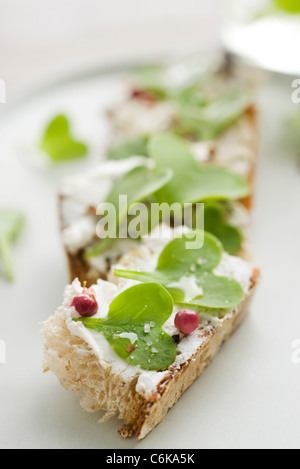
42 39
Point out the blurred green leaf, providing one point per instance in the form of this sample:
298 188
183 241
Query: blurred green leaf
215 223
291 6
191 182
208 121
152 78
294 124
11 223
128 148
58 142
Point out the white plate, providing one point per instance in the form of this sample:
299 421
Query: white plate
249 395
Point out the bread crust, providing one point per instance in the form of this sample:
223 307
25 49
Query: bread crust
79 268
251 115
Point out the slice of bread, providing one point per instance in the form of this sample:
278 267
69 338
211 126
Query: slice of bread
83 361
235 149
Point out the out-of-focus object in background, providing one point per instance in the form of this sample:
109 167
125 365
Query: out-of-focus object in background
293 123
58 142
265 33
11 223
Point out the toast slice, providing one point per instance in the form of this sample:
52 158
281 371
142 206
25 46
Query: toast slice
83 360
234 149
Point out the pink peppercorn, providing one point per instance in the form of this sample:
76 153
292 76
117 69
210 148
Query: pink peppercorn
86 304
187 321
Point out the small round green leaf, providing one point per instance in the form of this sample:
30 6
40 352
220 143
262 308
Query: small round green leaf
133 326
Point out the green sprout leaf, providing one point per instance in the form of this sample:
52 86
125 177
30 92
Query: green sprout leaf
294 124
133 326
191 182
215 223
11 223
128 148
291 6
137 185
188 275
208 121
192 96
58 142
181 80
153 79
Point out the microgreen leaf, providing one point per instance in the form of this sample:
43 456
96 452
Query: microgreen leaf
192 182
218 292
182 78
176 259
291 6
11 223
294 124
188 274
145 304
192 96
208 121
215 223
128 148
152 78
58 142
137 185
